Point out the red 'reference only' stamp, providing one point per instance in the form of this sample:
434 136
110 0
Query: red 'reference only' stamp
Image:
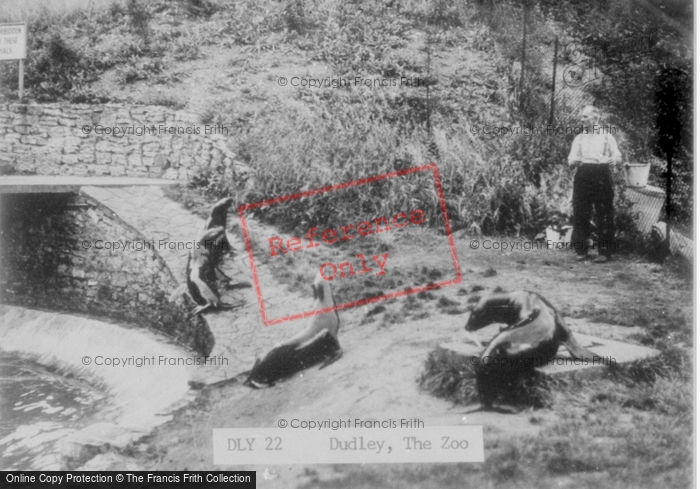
373 265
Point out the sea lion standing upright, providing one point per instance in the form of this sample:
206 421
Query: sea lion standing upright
203 262
219 240
201 275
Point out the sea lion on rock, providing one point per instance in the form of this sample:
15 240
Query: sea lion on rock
316 343
533 332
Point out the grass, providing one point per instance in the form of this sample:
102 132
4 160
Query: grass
596 437
486 189
452 377
291 153
558 457
658 320
506 185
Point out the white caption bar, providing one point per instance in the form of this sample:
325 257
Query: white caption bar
234 446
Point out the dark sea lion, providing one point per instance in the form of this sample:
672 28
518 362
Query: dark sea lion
203 262
316 343
532 334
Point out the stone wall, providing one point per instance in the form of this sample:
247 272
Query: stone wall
57 251
82 140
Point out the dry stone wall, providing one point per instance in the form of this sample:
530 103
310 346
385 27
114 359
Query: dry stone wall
111 140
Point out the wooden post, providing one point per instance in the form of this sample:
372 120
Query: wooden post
21 80
554 79
429 40
522 56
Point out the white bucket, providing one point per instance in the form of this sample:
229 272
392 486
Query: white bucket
637 174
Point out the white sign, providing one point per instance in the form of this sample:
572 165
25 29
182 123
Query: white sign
299 444
13 41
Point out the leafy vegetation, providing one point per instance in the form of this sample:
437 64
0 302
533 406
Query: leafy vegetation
62 66
492 185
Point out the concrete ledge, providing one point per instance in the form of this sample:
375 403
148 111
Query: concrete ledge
611 352
33 184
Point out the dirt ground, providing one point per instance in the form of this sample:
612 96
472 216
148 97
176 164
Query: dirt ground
384 355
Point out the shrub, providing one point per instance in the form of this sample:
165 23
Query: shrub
293 15
56 69
139 19
200 8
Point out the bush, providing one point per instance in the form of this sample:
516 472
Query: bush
56 69
293 15
200 8
486 190
212 183
139 19
453 377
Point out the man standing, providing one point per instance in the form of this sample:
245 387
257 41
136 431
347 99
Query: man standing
592 153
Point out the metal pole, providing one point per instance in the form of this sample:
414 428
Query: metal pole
522 56
669 166
554 79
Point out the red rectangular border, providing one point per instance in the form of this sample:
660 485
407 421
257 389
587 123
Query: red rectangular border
448 231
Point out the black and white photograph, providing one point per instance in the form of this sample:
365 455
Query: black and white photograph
347 244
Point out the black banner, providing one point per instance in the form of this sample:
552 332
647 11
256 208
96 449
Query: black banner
127 479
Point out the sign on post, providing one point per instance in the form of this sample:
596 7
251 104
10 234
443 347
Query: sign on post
13 45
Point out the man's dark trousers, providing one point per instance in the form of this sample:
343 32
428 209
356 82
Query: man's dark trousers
593 187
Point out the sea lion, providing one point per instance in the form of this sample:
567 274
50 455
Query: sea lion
312 345
217 219
203 262
533 331
520 308
200 271
219 213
